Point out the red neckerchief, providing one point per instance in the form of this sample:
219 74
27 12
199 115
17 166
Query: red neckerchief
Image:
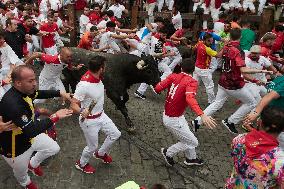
136 38
26 28
221 20
258 143
89 77
157 35
249 56
265 46
234 43
169 43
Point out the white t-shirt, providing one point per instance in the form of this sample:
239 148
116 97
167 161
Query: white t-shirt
117 10
3 19
218 27
8 57
59 23
55 4
86 92
106 39
177 21
102 24
84 20
262 63
145 35
140 47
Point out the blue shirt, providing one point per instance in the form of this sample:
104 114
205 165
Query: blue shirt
215 38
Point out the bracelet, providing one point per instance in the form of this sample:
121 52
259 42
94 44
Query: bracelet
254 81
54 118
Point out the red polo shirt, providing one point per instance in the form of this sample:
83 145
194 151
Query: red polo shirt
231 76
182 89
48 40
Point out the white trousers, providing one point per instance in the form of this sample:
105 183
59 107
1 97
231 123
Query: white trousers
49 84
201 4
164 68
248 4
51 50
150 9
91 128
169 3
214 12
172 62
261 6
235 4
44 146
243 94
257 91
205 75
187 141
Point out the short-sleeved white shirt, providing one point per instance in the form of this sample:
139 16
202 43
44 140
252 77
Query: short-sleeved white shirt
262 63
84 20
86 92
106 39
117 10
177 21
59 23
218 27
102 24
8 57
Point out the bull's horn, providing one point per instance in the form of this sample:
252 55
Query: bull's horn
140 65
157 55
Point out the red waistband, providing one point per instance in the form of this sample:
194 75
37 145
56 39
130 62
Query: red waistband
94 116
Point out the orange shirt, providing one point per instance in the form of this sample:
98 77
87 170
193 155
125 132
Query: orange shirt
86 41
235 25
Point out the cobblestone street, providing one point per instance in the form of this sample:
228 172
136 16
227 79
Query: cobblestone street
136 157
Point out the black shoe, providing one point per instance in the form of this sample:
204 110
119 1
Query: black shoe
139 95
195 125
230 126
196 161
169 160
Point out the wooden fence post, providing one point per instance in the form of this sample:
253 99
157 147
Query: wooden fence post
134 15
267 21
72 22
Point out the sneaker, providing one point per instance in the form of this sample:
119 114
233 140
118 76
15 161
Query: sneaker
169 160
230 126
196 161
195 125
88 169
139 95
31 186
36 171
105 159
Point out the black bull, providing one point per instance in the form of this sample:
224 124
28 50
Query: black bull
121 72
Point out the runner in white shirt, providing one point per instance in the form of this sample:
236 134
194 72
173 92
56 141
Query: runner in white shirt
258 80
106 18
108 39
157 42
174 57
84 20
49 77
8 60
176 19
145 33
118 9
90 92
